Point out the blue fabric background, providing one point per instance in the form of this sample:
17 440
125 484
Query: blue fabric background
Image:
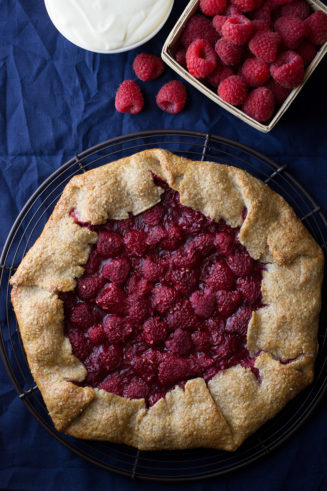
55 101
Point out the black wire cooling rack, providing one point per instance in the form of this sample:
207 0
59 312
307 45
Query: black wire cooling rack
175 465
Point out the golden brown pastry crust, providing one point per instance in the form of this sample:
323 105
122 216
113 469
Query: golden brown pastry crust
222 413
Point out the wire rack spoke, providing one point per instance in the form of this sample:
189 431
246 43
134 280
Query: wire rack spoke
276 173
311 213
27 392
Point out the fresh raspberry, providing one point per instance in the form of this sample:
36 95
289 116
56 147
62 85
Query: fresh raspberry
135 242
232 10
93 263
201 340
259 25
201 58
237 29
259 106
111 357
317 26
198 27
97 334
117 329
180 57
148 67
307 51
247 5
81 316
264 45
233 90
241 263
136 389
109 244
278 3
129 98
173 369
183 279
288 70
228 302
221 277
250 290
218 21
292 30
203 303
163 298
112 384
229 53
280 93
224 243
219 74
299 8
179 343
112 299
203 244
89 286
264 12
80 346
154 215
154 331
255 72
213 7
173 239
138 307
116 270
182 315
238 323
172 97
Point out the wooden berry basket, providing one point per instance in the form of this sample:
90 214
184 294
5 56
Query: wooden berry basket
167 56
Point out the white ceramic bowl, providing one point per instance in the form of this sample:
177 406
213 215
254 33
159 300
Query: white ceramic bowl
119 50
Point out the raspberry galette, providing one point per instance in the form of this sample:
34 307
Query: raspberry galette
169 304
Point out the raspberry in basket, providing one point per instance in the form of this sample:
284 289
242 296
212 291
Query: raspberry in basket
317 25
237 29
255 72
198 27
233 90
229 53
129 98
292 30
148 67
213 7
260 104
264 45
201 58
288 70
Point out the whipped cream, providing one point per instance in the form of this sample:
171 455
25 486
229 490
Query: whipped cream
106 25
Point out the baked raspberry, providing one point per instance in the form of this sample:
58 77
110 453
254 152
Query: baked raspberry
307 51
117 329
203 303
96 370
219 74
221 277
317 27
241 264
153 269
280 93
237 29
229 345
250 290
203 243
113 384
146 366
213 7
292 31
201 59
264 45
112 299
224 243
218 21
202 341
81 346
173 238
172 97
247 5
136 389
111 357
93 264
228 302
97 335
154 215
179 343
288 70
180 57
154 331
148 67
255 72
260 104
238 323
88 286
138 307
116 270
173 369
109 244
81 316
163 298
233 90
182 315
155 235
129 98
198 27
184 280
299 8
135 242
229 53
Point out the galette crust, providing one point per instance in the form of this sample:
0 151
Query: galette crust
283 334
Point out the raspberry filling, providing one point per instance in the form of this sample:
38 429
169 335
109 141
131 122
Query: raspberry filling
166 296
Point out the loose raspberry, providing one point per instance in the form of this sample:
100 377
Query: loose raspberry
180 57
288 70
299 8
280 93
229 53
116 270
307 51
184 280
255 72
219 74
203 303
182 315
136 389
224 243
172 97
111 357
173 369
117 329
264 45
247 5
112 299
237 29
221 277
241 263
163 298
292 30
80 346
135 242
112 384
154 215
97 334
148 67
154 331
213 7
250 289
179 343
260 104
81 316
198 27
218 21
233 90
317 26
238 323
129 98
89 286
201 340
153 269
109 244
201 59
138 307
